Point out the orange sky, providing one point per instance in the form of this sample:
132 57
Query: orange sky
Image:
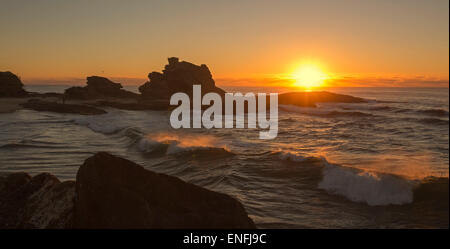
357 43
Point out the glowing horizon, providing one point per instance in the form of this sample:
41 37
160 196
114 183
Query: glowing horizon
401 43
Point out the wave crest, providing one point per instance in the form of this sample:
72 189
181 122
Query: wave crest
297 157
368 187
108 123
172 143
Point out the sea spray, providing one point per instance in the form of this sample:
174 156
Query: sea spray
358 185
368 187
175 143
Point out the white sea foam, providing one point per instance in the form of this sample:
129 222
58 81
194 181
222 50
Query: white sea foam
358 185
179 143
368 187
146 145
174 148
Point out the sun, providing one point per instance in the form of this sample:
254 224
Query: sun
308 76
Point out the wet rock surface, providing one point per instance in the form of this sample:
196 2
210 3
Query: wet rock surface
41 201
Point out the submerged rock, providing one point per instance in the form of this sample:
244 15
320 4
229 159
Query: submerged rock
35 202
310 99
178 77
135 106
39 105
11 85
116 193
99 87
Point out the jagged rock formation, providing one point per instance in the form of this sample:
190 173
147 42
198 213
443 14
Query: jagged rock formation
47 106
98 87
11 85
111 192
178 77
35 202
117 193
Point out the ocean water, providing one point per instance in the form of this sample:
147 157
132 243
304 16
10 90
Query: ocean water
381 164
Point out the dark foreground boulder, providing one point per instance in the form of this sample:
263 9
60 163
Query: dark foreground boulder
11 85
116 193
99 87
35 202
178 77
47 106
111 192
309 99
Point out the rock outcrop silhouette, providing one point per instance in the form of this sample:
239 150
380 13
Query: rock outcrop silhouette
11 85
310 99
178 76
97 88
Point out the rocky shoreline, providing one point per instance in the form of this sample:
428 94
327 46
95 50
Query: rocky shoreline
114 193
177 76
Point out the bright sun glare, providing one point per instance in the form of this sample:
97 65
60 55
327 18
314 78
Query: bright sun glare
308 76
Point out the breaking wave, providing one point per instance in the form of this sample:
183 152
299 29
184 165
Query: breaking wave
108 123
372 188
362 186
171 144
297 157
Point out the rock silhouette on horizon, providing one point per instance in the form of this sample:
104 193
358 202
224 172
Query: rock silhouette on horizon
11 85
178 76
99 87
310 99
